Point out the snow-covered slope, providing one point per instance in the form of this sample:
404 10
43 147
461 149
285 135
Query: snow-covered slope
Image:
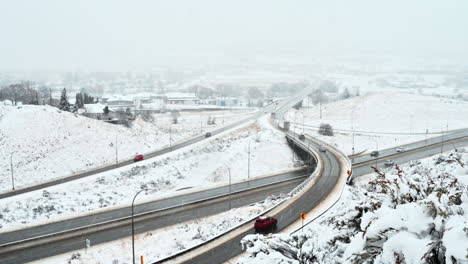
47 143
202 165
382 112
412 213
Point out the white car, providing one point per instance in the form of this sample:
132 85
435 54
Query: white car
400 149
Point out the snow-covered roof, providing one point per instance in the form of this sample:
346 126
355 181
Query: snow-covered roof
181 96
94 108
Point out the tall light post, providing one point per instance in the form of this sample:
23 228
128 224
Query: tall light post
377 149
116 150
442 141
133 222
352 128
170 136
302 123
411 124
11 168
229 170
248 163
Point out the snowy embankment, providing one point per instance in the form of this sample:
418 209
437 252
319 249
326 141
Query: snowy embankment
46 143
411 213
161 243
375 114
205 164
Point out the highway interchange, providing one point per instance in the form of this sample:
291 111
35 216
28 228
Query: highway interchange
39 242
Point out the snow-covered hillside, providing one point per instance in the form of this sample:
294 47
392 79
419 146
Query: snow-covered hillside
46 143
411 213
382 112
202 165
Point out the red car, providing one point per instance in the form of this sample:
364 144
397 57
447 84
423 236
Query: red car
265 223
138 158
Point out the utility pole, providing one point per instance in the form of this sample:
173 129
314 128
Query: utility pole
11 168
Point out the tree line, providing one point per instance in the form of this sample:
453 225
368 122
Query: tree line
26 93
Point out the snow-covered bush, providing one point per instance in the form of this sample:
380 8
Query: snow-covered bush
415 213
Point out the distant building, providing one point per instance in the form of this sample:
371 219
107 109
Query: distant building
182 98
227 101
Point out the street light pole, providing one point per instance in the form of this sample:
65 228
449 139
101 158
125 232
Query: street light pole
11 168
133 223
302 123
377 149
248 162
170 136
116 150
442 141
229 170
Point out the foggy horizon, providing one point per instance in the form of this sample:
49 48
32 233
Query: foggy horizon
111 35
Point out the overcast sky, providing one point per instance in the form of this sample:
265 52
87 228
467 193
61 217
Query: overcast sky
108 34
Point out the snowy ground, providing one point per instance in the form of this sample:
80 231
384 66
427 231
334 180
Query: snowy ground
411 213
381 112
47 143
158 244
205 164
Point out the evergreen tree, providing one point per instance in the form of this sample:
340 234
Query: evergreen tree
64 104
88 99
346 93
79 100
106 110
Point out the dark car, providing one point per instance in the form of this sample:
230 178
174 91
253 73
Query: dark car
301 137
208 134
138 158
265 223
374 153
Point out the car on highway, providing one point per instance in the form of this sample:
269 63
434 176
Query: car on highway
322 149
400 149
389 163
208 134
301 137
374 153
265 223
138 158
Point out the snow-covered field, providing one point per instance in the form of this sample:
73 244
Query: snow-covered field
204 164
45 143
381 112
411 213
158 244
